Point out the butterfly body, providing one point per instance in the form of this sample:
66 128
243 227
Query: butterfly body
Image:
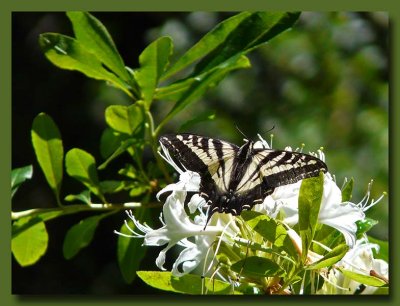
236 178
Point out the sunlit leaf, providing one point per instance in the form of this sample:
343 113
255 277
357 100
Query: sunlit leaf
310 198
124 119
67 53
331 258
364 226
46 140
20 175
153 61
363 279
94 37
253 31
257 267
347 190
84 197
188 284
31 244
82 166
208 43
204 82
269 229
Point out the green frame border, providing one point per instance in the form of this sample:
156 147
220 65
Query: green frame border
8 6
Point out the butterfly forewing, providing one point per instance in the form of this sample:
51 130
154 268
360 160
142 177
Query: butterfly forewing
211 158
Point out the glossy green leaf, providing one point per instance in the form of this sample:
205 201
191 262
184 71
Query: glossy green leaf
124 119
364 225
94 37
174 91
46 140
84 197
20 175
328 236
31 244
111 186
80 235
257 267
188 284
82 166
209 42
331 258
153 61
130 251
270 230
204 82
347 190
67 53
363 279
253 31
310 198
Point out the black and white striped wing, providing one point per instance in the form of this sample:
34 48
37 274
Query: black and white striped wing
211 158
235 179
274 168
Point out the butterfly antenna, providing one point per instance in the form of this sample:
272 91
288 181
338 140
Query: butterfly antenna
244 135
270 129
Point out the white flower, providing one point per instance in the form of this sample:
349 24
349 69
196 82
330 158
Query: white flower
333 212
359 259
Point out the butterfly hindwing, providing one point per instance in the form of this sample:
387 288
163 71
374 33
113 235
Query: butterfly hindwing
235 179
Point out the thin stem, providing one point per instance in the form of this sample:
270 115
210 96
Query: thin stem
153 134
75 208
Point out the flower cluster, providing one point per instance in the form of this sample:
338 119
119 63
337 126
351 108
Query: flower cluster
210 250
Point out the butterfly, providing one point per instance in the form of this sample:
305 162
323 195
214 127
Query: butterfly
235 178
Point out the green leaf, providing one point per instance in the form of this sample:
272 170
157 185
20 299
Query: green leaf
67 53
257 267
347 190
31 244
364 226
130 251
327 236
331 258
189 284
84 197
46 140
270 230
209 42
174 91
364 279
111 186
253 31
94 37
18 176
310 198
153 61
80 235
82 166
124 119
203 82
383 252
